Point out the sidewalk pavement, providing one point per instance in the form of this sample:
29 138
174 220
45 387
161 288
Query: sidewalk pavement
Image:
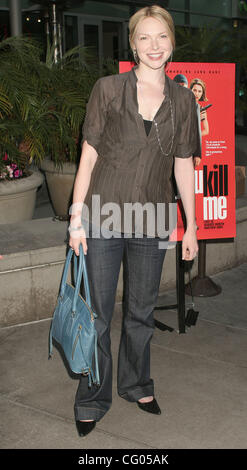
200 383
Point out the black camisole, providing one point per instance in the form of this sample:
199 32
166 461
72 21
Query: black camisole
148 125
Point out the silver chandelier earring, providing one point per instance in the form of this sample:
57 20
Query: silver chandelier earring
136 58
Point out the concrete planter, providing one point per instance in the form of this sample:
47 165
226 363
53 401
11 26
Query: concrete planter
17 198
60 184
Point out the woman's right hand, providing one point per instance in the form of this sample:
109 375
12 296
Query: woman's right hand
78 237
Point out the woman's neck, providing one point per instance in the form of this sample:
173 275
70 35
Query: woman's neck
148 75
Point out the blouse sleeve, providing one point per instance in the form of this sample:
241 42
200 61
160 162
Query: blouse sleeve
94 122
189 141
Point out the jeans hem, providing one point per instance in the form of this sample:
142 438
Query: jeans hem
137 393
82 412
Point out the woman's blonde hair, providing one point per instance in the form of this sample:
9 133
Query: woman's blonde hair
198 81
156 12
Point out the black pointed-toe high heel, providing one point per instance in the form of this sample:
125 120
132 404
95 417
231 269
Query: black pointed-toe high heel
150 407
85 427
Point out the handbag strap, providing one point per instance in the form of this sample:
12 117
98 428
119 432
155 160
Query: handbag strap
65 272
82 269
85 276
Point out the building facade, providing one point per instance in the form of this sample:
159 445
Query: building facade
102 26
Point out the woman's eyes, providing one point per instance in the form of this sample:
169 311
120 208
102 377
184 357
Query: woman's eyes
163 36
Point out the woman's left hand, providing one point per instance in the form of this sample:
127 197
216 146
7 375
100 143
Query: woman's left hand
189 245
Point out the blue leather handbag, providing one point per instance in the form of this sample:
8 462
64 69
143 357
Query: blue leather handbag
73 322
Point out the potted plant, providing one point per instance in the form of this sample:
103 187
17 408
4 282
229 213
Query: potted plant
18 184
42 107
17 192
70 83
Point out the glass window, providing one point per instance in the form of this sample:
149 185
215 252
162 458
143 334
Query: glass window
179 4
4 24
91 39
112 34
71 31
33 24
200 21
212 7
178 18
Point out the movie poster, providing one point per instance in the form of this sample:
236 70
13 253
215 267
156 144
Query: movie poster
214 88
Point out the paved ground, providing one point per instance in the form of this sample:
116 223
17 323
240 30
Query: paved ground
200 383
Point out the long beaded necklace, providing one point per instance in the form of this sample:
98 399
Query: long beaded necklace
157 129
173 131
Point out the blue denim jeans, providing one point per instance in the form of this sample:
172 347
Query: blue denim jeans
142 268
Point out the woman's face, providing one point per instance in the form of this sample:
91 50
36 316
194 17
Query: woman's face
198 91
152 43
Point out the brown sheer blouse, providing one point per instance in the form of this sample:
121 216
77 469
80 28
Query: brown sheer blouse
132 166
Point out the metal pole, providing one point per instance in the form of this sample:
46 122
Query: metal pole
202 285
202 259
15 17
47 25
180 288
60 42
180 291
55 32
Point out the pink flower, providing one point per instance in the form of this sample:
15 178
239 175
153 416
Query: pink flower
10 171
13 166
16 173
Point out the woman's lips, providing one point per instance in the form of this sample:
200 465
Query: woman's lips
155 56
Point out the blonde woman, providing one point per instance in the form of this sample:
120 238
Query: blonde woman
138 125
198 87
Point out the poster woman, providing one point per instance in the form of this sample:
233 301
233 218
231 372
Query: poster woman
198 87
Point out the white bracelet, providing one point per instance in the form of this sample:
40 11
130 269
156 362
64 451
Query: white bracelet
74 229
